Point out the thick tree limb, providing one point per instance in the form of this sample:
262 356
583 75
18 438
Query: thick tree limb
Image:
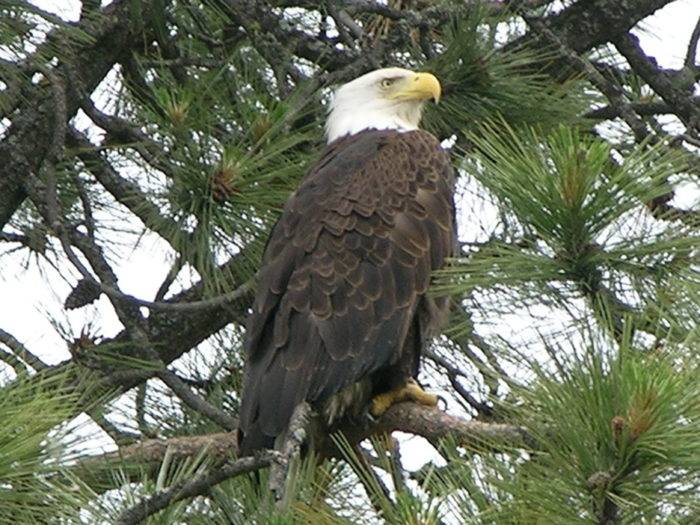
412 418
434 425
587 24
220 447
612 91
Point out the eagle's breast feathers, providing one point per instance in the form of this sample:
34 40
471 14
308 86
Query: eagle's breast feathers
342 291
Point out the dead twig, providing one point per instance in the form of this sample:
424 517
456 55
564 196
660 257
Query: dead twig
282 465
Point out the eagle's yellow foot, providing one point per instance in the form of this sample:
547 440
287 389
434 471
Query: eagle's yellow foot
411 391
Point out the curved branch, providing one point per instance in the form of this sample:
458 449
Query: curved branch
434 425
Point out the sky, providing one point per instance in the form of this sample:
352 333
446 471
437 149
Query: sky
30 295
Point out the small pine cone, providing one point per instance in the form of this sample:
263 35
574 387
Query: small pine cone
80 346
84 293
222 187
599 480
618 424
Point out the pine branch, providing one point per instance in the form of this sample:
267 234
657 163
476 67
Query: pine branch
613 92
611 112
128 193
141 411
24 145
376 490
661 209
14 237
692 51
120 131
585 25
176 332
21 351
453 374
196 402
129 315
435 425
121 437
196 487
412 418
646 67
296 436
108 285
221 447
13 362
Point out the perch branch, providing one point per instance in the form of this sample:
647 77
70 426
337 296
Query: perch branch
430 423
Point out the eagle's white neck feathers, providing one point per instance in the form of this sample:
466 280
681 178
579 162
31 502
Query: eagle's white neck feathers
372 102
349 122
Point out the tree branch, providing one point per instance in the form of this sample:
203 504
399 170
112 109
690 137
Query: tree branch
196 402
693 47
645 66
21 351
434 425
295 437
585 25
196 487
129 194
24 146
613 92
430 423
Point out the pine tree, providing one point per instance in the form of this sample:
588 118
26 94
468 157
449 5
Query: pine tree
569 366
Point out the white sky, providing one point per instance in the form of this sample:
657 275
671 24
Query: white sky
27 296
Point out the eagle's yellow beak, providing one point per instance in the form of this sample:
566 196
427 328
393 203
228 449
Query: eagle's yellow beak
420 86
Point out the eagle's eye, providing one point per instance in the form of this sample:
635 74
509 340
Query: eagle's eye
387 82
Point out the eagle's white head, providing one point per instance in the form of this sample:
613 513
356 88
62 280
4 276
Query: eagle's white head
390 98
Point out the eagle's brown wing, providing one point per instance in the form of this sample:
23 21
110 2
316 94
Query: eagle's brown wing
343 272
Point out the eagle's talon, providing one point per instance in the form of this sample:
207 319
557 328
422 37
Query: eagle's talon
383 402
410 391
368 417
444 403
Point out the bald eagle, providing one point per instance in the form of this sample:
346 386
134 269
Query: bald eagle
341 310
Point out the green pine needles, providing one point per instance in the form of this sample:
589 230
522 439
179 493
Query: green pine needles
575 215
37 444
618 440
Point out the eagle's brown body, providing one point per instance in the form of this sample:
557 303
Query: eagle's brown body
341 310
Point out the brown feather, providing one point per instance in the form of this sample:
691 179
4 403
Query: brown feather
341 294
